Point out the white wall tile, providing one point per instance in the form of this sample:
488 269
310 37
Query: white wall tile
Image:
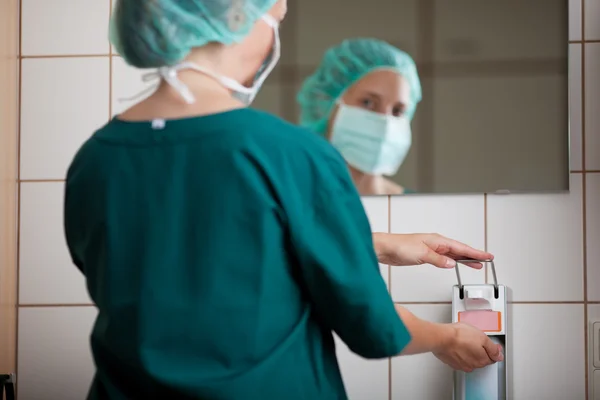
377 209
458 217
537 241
423 377
593 236
46 274
126 83
545 361
592 104
54 353
575 110
592 19
546 354
65 27
575 19
364 379
63 101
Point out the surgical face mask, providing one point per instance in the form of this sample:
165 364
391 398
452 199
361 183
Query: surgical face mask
241 92
370 142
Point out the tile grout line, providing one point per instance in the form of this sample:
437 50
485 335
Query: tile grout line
583 195
58 56
48 180
583 40
55 305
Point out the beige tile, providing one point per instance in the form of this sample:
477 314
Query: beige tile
326 24
575 19
593 236
592 105
127 83
63 101
472 27
46 272
458 217
537 241
546 353
55 361
423 376
61 27
575 106
592 21
364 379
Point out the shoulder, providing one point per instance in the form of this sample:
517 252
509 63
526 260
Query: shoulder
296 141
302 158
88 154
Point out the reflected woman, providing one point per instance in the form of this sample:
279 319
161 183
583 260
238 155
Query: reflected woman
362 98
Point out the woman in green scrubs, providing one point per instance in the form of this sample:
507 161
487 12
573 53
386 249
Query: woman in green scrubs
223 246
362 98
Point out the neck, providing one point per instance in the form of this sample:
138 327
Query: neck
166 103
361 178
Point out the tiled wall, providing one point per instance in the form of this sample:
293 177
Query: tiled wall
546 245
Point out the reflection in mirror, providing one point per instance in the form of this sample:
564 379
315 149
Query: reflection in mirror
435 97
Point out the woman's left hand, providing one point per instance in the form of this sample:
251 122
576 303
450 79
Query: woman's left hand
425 248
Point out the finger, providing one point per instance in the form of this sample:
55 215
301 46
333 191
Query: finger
493 350
438 260
500 354
473 265
462 251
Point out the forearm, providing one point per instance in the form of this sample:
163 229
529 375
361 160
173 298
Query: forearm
425 336
381 246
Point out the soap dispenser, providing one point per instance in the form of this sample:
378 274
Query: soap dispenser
483 306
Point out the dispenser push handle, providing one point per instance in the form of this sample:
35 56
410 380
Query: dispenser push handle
467 261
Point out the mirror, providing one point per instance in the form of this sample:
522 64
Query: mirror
494 87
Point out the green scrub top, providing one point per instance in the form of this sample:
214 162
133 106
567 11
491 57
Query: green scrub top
222 251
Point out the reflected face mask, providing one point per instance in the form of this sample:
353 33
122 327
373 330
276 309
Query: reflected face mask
373 143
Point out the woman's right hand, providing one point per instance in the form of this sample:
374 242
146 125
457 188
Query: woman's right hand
467 348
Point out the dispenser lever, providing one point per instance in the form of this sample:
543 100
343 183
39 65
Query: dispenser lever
467 261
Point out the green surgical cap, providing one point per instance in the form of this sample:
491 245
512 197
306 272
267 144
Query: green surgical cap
158 33
344 65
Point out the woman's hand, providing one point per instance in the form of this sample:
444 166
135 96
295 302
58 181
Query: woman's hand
429 248
467 348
